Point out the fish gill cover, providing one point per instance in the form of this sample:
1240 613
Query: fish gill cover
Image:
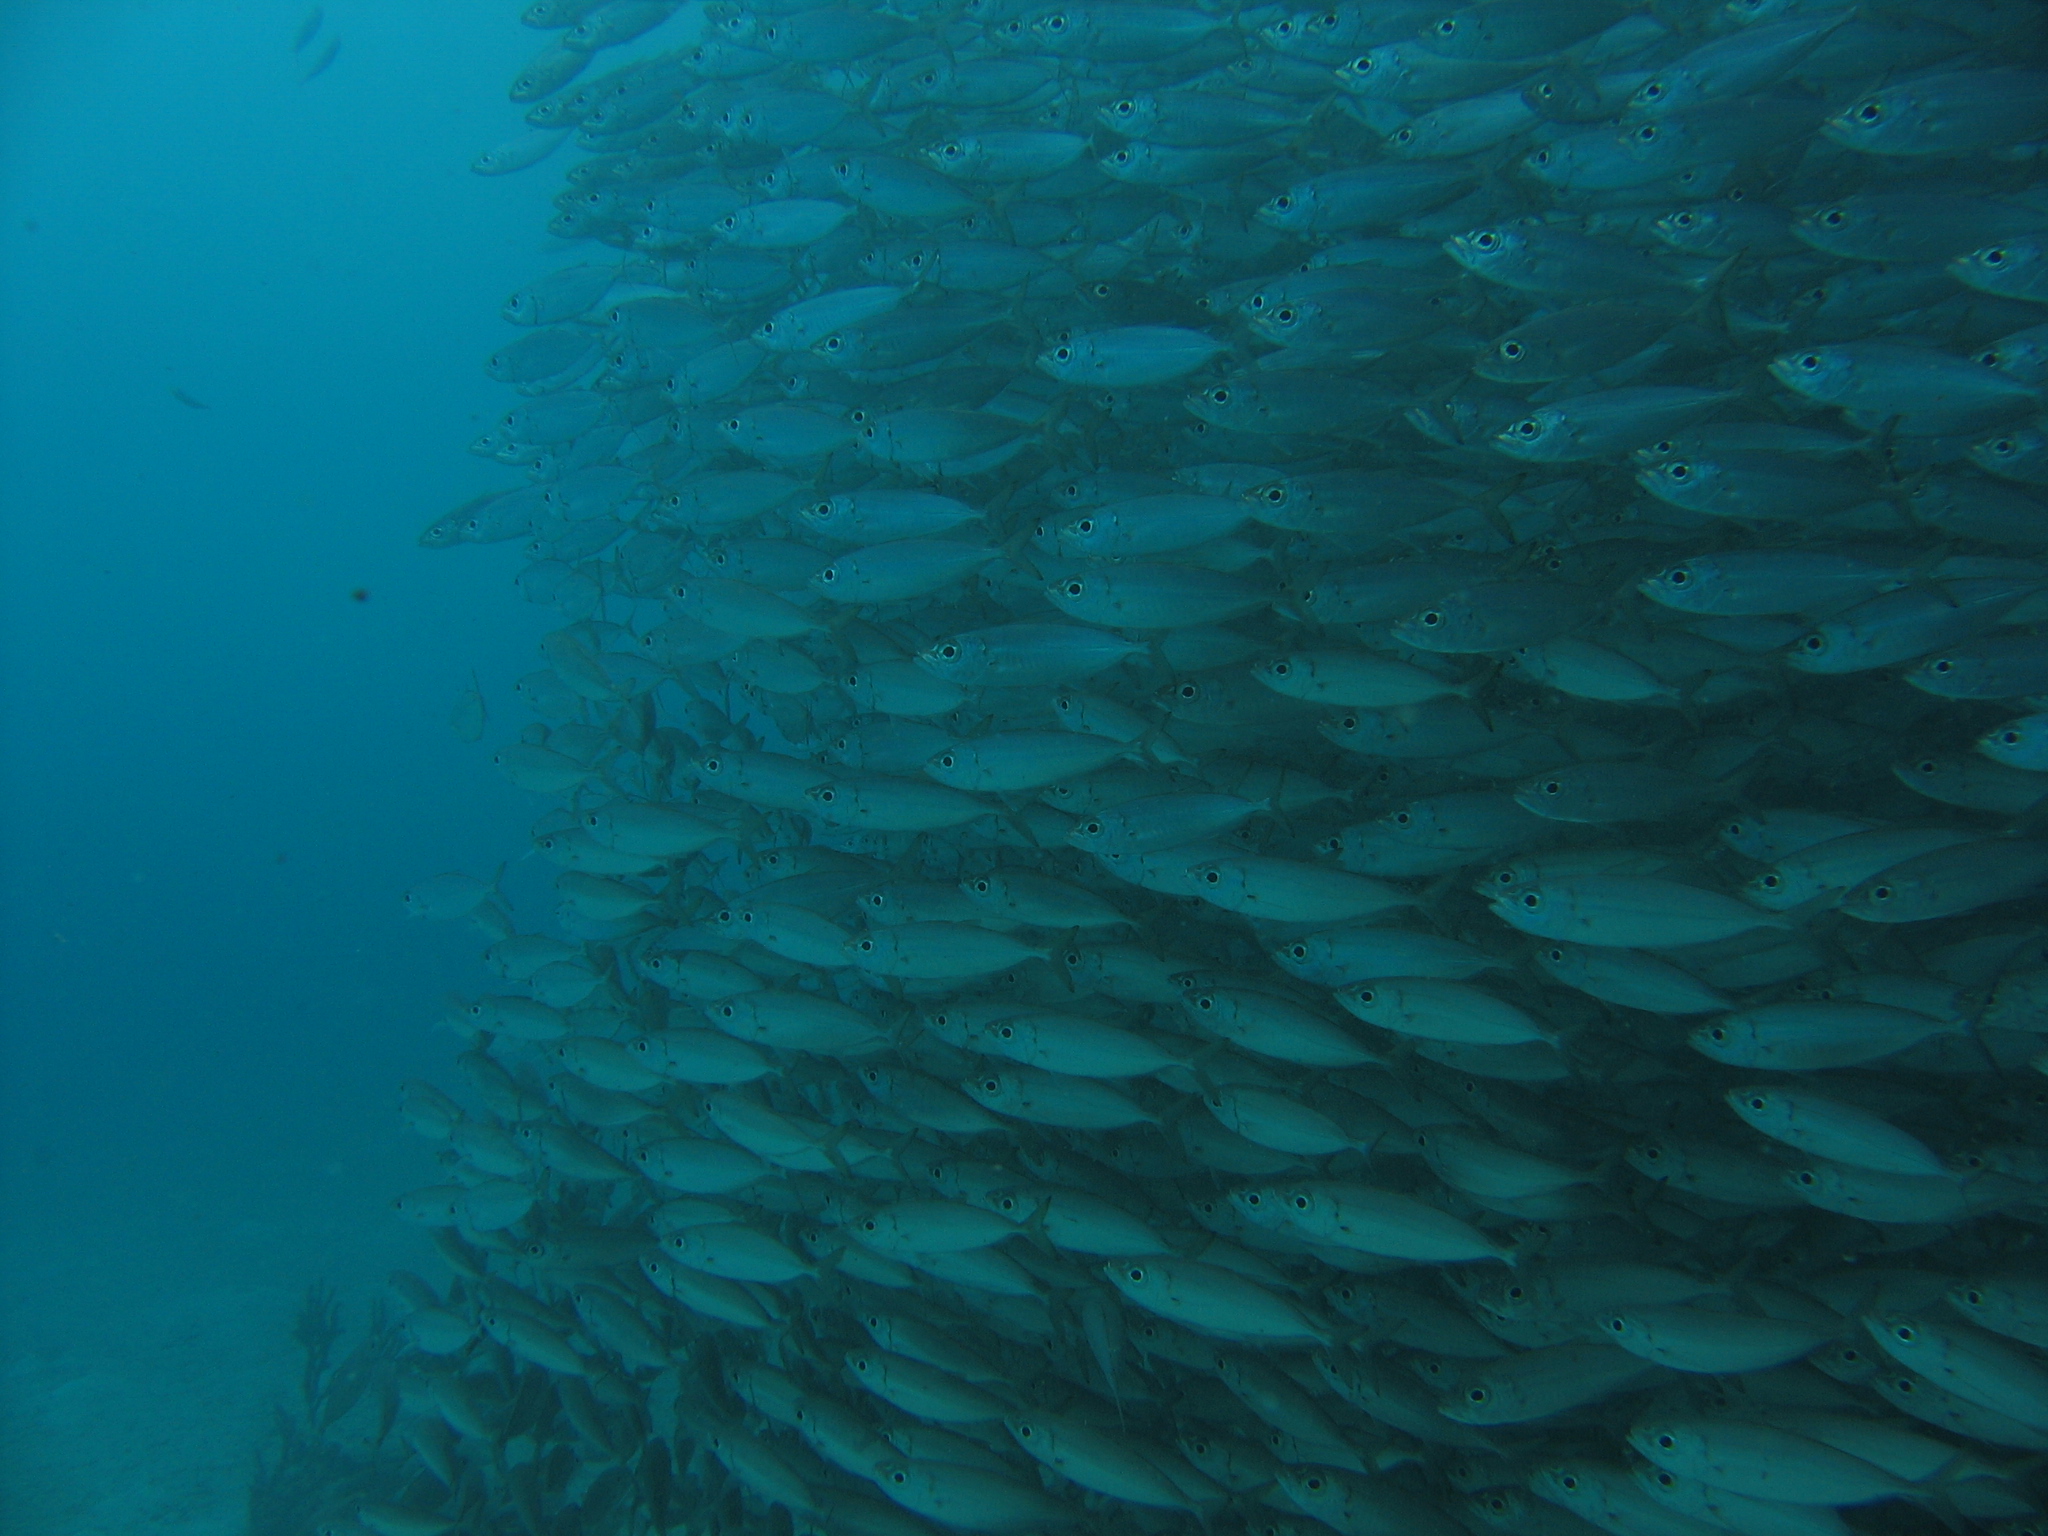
1297 769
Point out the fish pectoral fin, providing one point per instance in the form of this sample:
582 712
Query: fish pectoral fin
1034 1230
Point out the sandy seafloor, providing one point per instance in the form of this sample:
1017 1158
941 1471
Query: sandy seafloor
145 1324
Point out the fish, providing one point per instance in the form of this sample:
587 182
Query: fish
322 61
1268 732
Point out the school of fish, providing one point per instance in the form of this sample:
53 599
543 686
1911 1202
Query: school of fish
1298 767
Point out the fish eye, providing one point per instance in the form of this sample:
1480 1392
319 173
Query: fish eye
1431 619
1667 1442
991 1084
1881 893
1405 136
1647 134
1528 429
1513 351
1531 901
1809 362
1553 787
1367 997
1813 645
1870 112
1486 240
1476 1394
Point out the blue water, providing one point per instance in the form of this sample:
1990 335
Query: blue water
227 671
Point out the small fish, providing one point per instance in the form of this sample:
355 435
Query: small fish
322 61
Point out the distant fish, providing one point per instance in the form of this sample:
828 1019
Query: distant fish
308 29
184 399
517 154
320 65
468 717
